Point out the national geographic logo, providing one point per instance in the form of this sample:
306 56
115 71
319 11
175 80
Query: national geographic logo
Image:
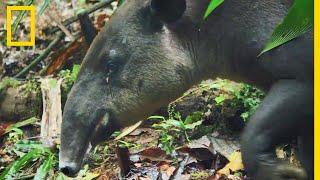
7 18
32 10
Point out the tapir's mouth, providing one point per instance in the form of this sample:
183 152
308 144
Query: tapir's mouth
71 159
72 168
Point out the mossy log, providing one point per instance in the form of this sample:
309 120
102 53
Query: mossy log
18 103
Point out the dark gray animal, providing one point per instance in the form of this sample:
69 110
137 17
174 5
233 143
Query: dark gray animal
152 51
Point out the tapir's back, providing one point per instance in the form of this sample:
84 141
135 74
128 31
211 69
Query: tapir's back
242 28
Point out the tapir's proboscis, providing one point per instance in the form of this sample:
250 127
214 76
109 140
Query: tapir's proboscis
152 51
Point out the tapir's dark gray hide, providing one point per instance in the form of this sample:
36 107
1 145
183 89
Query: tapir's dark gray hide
152 51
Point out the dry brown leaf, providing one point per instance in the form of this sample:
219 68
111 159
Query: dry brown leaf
128 130
235 164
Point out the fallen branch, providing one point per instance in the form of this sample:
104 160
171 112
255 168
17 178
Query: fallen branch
75 18
61 26
10 127
41 57
20 102
52 111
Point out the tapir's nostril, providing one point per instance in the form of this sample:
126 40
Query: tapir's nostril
69 171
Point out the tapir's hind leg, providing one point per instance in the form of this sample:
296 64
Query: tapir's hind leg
286 108
306 147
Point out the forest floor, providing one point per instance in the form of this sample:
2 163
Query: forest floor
194 137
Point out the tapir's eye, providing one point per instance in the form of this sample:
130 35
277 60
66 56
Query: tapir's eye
113 54
114 61
114 58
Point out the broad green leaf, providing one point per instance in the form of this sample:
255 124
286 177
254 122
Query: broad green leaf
175 123
213 5
194 117
19 164
298 21
26 145
21 124
45 168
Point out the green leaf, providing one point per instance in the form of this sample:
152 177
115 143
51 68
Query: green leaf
194 117
19 164
121 2
60 176
45 168
75 72
213 5
26 145
53 83
21 124
156 117
43 6
219 100
176 123
90 176
298 21
20 16
193 125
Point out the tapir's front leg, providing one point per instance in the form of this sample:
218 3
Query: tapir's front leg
286 108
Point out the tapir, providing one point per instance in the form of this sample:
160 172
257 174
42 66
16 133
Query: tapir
152 51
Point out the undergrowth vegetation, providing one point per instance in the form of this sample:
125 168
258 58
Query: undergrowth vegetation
28 158
175 131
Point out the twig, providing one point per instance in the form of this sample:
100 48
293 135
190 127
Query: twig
25 177
88 30
178 172
42 56
67 51
75 18
61 26
123 160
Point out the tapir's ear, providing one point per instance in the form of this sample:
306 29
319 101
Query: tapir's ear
168 10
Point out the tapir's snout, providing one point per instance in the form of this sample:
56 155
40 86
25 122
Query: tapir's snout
83 116
69 168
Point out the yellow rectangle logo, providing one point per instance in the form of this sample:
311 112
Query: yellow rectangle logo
32 26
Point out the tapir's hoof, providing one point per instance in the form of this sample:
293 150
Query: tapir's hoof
282 172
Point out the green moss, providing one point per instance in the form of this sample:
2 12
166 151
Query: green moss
6 83
199 175
247 98
31 86
69 77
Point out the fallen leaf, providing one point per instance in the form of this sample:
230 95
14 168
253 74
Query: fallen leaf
128 130
144 178
90 176
154 154
223 144
166 171
235 164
